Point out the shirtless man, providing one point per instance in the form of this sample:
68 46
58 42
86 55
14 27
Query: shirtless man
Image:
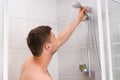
43 44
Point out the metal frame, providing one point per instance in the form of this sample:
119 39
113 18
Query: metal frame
101 40
108 42
5 41
117 1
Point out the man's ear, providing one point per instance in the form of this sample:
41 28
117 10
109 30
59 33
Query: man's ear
48 46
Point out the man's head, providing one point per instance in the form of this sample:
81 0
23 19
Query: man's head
41 39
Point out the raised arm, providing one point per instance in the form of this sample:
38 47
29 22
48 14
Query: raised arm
67 32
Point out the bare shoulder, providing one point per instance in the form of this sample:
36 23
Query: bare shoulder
29 71
32 74
35 73
26 63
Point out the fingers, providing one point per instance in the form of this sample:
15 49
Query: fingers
82 13
84 9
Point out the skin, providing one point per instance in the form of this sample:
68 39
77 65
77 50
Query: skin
35 68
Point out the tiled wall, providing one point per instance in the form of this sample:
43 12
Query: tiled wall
114 21
1 37
75 50
25 15
114 27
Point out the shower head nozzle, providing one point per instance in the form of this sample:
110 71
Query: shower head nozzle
117 1
76 4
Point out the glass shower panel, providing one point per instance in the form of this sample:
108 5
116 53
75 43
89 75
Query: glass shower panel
1 27
114 22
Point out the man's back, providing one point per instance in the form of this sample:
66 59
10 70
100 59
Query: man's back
32 71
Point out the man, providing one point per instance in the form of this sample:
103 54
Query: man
43 44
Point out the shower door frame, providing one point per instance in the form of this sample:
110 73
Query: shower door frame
108 41
5 40
102 41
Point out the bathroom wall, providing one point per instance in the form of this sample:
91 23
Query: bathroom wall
114 21
74 51
1 35
25 15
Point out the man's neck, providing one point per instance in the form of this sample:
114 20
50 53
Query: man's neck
43 61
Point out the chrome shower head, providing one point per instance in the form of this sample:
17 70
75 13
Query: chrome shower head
77 4
117 1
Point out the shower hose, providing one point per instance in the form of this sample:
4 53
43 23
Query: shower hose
89 26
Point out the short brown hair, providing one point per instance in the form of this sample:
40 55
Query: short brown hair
37 37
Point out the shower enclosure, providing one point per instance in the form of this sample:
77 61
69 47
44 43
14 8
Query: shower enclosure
18 17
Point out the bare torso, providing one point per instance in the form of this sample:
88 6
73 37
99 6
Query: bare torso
31 71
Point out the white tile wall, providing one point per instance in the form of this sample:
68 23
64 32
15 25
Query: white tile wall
33 9
116 63
115 36
114 20
116 74
114 10
115 49
63 10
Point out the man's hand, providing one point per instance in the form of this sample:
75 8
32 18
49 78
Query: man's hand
81 14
